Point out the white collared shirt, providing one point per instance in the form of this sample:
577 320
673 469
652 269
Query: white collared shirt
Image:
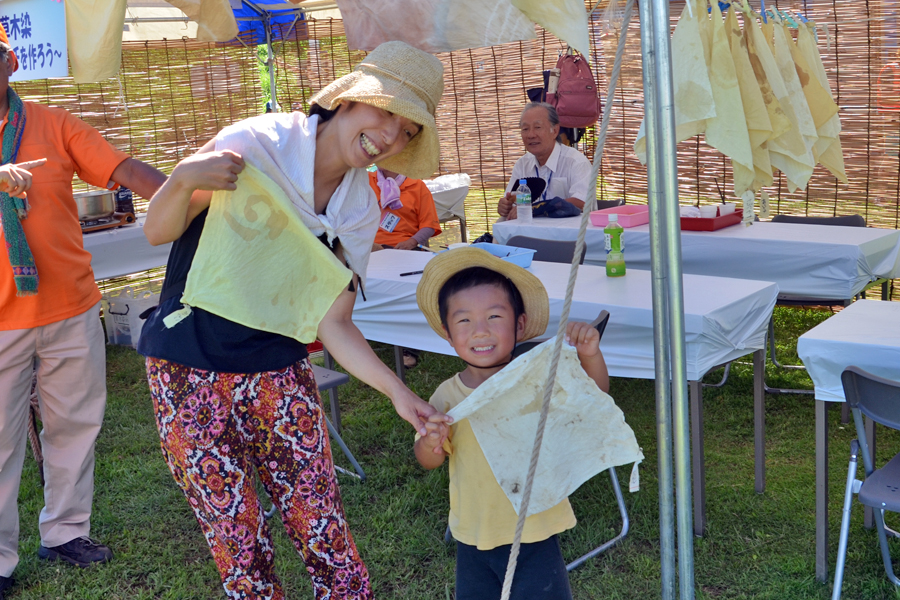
570 169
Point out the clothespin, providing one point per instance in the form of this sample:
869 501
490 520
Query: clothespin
762 10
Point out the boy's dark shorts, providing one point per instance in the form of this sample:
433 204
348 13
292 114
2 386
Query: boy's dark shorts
540 572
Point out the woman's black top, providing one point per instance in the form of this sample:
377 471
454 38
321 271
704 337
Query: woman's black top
204 340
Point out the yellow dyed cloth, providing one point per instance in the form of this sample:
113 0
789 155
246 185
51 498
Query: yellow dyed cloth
756 115
585 432
434 25
257 264
94 38
827 149
788 151
566 19
727 131
215 19
803 115
694 102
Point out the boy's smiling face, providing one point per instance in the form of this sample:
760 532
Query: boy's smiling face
482 325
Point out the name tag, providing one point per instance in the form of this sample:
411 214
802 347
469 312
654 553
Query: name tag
389 221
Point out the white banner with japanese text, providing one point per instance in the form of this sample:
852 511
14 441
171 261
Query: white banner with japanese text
37 34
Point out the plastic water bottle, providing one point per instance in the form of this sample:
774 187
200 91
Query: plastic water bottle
523 202
615 259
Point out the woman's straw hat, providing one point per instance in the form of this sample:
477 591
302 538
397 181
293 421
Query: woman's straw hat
405 81
447 264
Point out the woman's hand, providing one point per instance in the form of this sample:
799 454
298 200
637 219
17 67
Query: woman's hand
188 191
417 412
211 171
15 179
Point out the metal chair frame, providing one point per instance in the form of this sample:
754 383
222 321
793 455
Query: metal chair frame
879 400
555 251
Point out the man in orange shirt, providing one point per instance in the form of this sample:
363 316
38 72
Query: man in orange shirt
408 220
49 308
408 214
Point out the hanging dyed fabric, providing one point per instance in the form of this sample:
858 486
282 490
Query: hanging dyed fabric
802 115
727 131
827 150
694 102
788 151
756 116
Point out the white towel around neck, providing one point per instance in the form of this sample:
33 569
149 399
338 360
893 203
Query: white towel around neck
283 146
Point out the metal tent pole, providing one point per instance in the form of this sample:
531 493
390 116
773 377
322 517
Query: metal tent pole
660 312
270 62
667 179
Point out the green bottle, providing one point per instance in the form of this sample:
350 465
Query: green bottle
615 259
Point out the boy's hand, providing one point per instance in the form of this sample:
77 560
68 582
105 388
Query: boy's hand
436 432
584 338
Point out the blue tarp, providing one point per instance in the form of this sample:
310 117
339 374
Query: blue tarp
280 14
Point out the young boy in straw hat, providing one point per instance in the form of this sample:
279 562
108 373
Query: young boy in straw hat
484 306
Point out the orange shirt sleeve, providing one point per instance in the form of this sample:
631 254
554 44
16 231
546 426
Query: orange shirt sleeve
95 159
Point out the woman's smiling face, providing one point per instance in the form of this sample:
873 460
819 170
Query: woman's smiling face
368 134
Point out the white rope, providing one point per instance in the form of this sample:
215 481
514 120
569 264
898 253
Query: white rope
561 330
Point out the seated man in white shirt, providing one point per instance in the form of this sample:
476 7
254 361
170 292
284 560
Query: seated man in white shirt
566 170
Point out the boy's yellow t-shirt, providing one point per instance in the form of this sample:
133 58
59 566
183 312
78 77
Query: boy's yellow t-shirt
480 513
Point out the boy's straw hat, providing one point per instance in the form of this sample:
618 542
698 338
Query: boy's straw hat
447 264
405 81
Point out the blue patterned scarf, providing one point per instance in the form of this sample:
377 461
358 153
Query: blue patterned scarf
13 210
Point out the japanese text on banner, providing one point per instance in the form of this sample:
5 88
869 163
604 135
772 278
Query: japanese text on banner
37 34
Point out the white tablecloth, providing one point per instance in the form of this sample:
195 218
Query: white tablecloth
123 250
449 193
811 261
866 334
725 318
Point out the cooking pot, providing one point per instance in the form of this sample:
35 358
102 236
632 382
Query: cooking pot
95 204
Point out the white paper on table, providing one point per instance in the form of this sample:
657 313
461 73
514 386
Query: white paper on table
585 432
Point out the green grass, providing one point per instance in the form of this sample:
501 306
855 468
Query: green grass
758 546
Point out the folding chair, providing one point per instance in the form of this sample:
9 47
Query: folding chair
600 325
555 251
879 400
601 204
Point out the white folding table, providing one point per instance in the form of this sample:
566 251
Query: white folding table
123 250
866 334
807 261
724 320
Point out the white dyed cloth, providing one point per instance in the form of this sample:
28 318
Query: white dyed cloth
283 147
447 25
585 433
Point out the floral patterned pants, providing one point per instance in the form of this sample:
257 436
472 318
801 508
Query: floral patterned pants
215 429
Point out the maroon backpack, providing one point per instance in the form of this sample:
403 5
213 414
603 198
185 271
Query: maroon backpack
575 94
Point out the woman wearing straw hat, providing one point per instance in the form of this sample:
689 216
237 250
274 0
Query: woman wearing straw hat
230 398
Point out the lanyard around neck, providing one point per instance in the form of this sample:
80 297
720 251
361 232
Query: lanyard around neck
549 179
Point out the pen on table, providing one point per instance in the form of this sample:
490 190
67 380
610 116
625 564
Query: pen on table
411 273
423 247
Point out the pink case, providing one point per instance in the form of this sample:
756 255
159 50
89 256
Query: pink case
629 215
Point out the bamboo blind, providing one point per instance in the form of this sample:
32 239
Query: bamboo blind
173 96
